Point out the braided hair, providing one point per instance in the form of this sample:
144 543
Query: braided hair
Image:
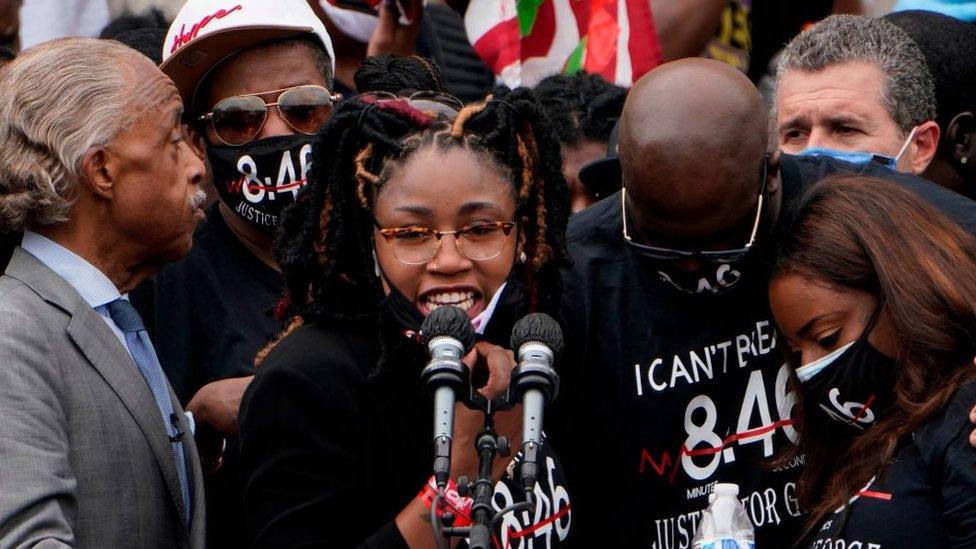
582 107
325 244
398 75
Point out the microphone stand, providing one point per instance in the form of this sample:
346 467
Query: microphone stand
488 445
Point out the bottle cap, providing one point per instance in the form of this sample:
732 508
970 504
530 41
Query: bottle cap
726 488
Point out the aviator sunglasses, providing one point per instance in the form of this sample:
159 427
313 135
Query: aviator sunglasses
238 120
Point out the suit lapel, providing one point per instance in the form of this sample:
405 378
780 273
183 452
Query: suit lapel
107 355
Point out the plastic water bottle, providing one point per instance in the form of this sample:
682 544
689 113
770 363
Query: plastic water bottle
725 524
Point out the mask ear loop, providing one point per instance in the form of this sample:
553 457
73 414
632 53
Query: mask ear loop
904 147
868 328
872 320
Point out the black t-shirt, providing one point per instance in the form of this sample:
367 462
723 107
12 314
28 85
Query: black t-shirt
210 312
665 393
331 453
925 498
208 315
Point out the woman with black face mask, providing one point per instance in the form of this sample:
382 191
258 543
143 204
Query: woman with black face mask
875 293
414 203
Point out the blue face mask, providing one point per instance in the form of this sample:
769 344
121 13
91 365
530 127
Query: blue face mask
860 158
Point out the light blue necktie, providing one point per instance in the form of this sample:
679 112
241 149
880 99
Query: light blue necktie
128 320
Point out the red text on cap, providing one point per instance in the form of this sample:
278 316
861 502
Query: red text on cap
183 38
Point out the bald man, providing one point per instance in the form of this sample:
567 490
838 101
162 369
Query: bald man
673 379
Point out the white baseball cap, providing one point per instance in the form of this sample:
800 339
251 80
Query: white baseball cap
206 32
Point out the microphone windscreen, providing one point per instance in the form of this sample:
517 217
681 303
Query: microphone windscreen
538 327
448 321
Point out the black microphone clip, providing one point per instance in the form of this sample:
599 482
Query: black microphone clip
174 419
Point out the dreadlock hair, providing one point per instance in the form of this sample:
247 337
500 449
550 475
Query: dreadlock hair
398 75
582 107
325 243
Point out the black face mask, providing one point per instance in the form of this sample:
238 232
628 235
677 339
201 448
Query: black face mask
403 313
260 179
849 390
407 318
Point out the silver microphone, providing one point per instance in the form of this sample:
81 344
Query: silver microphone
448 335
538 342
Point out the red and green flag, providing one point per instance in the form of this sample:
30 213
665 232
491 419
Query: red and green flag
524 41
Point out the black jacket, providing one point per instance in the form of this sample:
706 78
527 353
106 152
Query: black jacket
333 447
330 457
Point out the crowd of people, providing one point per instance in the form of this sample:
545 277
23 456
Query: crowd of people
224 225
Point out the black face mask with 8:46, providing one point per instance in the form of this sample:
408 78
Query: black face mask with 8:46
260 179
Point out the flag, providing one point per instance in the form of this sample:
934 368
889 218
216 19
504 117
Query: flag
524 41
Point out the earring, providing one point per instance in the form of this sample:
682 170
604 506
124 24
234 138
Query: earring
522 257
963 160
376 265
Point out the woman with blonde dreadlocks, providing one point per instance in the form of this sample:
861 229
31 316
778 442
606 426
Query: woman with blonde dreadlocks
408 209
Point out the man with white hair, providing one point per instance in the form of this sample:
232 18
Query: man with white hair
95 450
858 90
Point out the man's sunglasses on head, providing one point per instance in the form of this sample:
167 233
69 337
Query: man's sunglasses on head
431 103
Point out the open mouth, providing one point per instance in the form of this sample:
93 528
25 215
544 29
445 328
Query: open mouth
468 301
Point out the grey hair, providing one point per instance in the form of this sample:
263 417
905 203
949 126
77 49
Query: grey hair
57 101
908 92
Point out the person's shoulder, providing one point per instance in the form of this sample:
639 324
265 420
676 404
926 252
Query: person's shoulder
318 369
596 222
595 235
950 427
800 172
322 353
12 289
596 245
18 299
29 326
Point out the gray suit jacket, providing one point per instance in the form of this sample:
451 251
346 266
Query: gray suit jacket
84 457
